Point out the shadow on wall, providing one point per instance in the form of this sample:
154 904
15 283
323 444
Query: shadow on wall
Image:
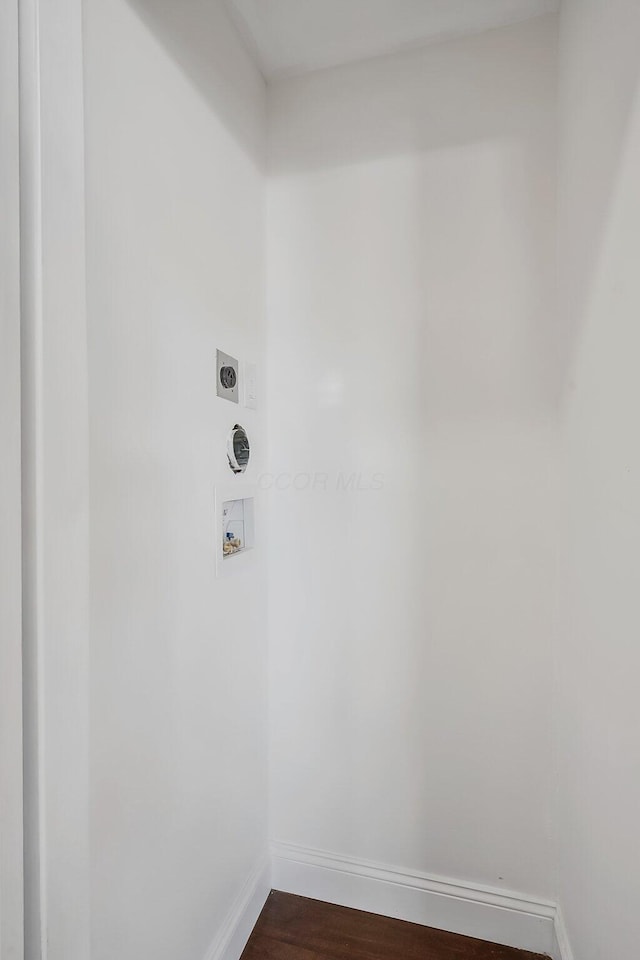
596 108
411 268
464 100
438 96
598 659
475 119
200 38
472 91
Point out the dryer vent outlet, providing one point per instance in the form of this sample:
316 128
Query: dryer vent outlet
238 449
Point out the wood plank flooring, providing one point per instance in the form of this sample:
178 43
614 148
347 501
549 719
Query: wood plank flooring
295 928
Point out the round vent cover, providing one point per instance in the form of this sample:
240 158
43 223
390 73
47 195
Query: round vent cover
238 449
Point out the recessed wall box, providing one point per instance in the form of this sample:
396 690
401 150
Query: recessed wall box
236 523
226 376
234 527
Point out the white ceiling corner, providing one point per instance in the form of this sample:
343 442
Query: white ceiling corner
295 36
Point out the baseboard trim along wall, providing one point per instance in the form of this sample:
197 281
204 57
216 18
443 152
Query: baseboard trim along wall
563 949
472 910
241 919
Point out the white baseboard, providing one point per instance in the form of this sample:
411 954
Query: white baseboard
241 919
472 910
562 945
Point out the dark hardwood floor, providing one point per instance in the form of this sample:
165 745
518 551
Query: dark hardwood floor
294 928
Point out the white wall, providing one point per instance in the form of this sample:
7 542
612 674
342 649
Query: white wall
411 330
599 657
11 875
175 238
55 481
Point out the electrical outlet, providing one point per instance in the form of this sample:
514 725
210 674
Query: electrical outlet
226 376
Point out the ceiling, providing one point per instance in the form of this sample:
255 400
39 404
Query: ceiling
295 36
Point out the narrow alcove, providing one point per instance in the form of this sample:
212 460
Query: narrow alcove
329 513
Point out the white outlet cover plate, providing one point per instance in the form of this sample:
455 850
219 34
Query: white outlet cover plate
250 384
